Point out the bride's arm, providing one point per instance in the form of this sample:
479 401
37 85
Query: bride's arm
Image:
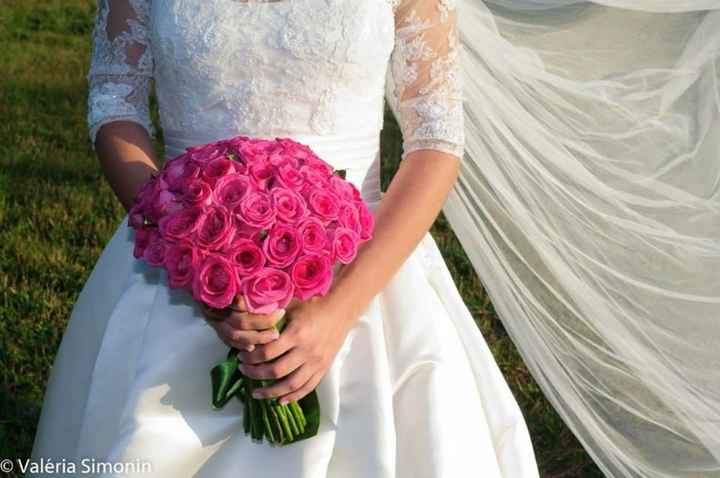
118 115
429 102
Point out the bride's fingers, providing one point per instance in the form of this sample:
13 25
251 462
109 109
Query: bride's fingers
242 320
250 321
288 384
308 387
267 352
238 304
244 339
275 369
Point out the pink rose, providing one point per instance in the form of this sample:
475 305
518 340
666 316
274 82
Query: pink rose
215 282
142 239
282 245
136 219
174 170
181 224
181 260
290 206
312 275
256 209
262 172
166 202
215 229
268 290
312 235
230 189
289 177
216 169
345 244
323 203
154 253
314 176
318 166
367 222
197 192
349 216
205 153
342 188
247 257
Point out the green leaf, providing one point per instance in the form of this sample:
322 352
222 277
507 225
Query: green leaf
227 380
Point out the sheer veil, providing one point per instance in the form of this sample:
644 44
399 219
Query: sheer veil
589 205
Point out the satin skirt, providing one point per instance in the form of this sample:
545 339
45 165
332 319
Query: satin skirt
413 392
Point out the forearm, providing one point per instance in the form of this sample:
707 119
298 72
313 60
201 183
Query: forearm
406 212
127 157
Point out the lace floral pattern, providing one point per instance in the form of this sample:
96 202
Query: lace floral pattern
121 65
427 83
313 67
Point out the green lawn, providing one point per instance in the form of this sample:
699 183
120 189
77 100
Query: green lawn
57 212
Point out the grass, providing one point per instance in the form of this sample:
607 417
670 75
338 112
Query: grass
57 212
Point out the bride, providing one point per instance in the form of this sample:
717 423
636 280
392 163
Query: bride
571 145
401 395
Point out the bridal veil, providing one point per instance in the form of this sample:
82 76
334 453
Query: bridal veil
589 204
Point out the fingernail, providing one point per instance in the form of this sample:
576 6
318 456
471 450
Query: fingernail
257 394
281 313
250 348
283 401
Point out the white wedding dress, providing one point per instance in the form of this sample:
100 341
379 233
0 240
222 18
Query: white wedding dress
414 391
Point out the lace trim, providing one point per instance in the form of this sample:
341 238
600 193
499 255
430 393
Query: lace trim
121 66
426 75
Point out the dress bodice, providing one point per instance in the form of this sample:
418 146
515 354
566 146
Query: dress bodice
313 70
293 67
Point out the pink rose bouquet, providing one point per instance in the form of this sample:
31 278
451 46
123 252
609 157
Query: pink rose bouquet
262 219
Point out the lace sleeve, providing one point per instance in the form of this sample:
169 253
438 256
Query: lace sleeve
424 68
121 65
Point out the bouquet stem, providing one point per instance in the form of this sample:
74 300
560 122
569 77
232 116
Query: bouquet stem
264 418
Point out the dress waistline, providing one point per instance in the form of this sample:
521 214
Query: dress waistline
357 154
343 151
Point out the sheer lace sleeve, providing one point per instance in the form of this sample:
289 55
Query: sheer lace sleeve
121 65
424 68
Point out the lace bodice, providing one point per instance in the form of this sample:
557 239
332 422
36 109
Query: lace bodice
284 67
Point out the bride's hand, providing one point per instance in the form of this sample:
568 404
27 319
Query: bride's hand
315 331
239 328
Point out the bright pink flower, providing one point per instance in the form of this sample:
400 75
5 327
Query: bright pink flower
262 172
181 224
282 245
367 222
154 253
290 206
312 235
312 275
205 153
215 229
345 244
349 216
256 209
247 256
197 192
230 189
216 169
268 290
142 239
289 177
343 189
323 203
181 261
215 282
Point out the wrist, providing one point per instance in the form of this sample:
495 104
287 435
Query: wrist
345 297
